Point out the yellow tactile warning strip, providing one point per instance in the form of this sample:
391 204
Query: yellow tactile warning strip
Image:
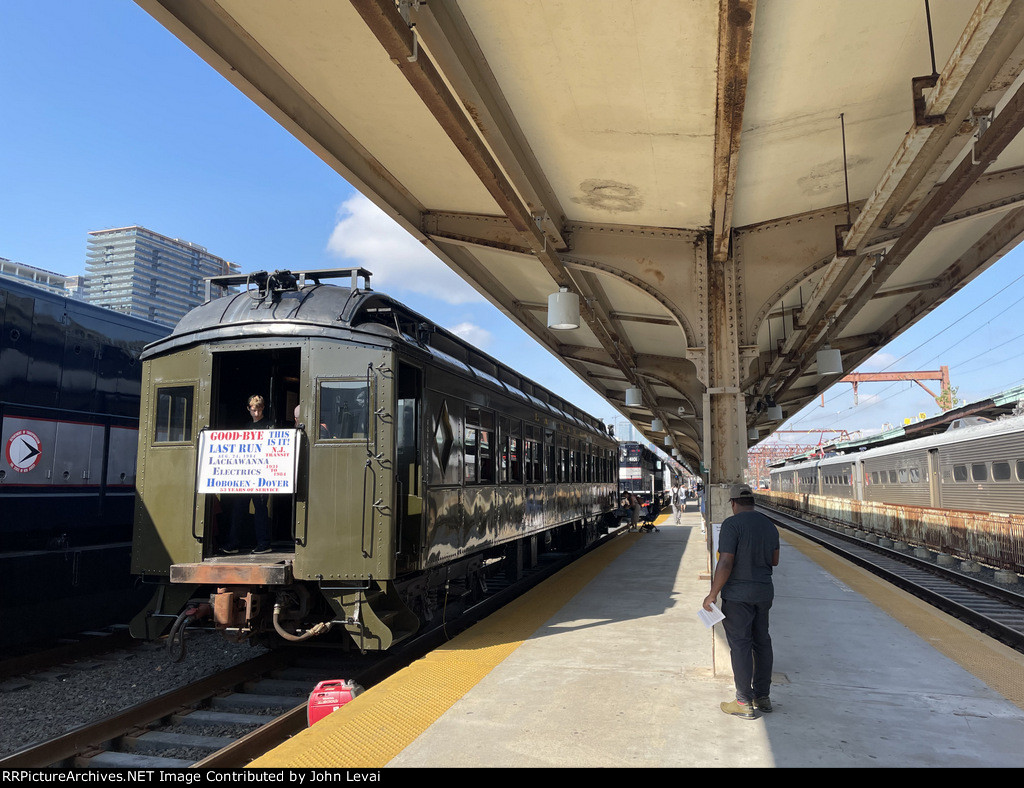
997 665
377 725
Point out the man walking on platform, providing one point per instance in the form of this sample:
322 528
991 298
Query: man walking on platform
748 548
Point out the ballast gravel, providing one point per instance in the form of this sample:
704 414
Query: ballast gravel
39 706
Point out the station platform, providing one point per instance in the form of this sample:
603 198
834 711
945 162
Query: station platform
607 665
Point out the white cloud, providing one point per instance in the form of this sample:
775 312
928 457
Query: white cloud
475 335
366 236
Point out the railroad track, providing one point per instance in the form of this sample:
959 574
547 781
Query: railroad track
230 718
82 645
990 608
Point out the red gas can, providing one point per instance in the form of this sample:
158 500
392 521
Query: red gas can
330 696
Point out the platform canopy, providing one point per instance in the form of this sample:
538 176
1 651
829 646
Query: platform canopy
729 186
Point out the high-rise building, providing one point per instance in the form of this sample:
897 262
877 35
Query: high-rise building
21 272
142 273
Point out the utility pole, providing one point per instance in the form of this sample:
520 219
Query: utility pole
941 375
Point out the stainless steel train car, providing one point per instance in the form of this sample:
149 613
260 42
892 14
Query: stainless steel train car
402 466
979 467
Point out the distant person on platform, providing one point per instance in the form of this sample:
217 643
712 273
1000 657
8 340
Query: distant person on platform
748 548
261 520
634 513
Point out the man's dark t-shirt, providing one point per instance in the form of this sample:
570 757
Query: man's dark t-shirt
752 538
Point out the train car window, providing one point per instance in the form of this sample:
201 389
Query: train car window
486 456
344 409
959 473
537 463
1000 471
903 475
479 446
892 477
915 475
874 477
515 460
1020 470
979 472
173 414
469 449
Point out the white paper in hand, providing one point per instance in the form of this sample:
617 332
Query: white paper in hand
710 617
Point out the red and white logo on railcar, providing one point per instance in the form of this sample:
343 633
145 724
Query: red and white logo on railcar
24 450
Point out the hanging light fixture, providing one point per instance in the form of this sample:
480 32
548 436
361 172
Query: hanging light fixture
753 434
830 361
633 396
563 310
774 412
657 426
667 441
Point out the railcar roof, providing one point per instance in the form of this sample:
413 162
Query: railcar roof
999 427
1003 426
315 309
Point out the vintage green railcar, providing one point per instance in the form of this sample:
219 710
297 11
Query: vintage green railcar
409 465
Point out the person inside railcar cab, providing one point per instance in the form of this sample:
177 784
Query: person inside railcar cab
256 406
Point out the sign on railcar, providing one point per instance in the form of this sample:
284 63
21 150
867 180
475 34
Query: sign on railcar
252 462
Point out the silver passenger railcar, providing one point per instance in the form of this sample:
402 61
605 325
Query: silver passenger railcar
978 467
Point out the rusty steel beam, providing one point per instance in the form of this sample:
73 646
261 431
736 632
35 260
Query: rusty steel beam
451 40
398 39
978 67
1004 129
735 32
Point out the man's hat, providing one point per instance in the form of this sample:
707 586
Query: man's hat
739 491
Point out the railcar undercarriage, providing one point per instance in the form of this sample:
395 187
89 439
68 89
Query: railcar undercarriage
260 602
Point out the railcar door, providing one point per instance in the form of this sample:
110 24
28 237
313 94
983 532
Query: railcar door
350 524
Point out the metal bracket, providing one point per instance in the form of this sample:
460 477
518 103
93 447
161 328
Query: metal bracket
918 85
983 122
841 231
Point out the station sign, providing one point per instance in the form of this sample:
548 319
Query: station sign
250 462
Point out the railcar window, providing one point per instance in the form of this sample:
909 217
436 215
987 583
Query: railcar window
515 461
892 477
469 449
979 472
959 473
479 446
903 475
344 409
874 477
915 475
534 469
1000 471
173 414
1020 470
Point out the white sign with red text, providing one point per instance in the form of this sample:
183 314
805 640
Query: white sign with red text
253 462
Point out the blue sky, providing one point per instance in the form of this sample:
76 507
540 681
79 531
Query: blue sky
108 120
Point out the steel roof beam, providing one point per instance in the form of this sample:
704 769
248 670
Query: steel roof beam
976 69
735 32
399 41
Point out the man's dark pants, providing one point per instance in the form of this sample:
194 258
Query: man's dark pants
750 645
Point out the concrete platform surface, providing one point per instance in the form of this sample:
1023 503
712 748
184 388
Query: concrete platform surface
623 674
